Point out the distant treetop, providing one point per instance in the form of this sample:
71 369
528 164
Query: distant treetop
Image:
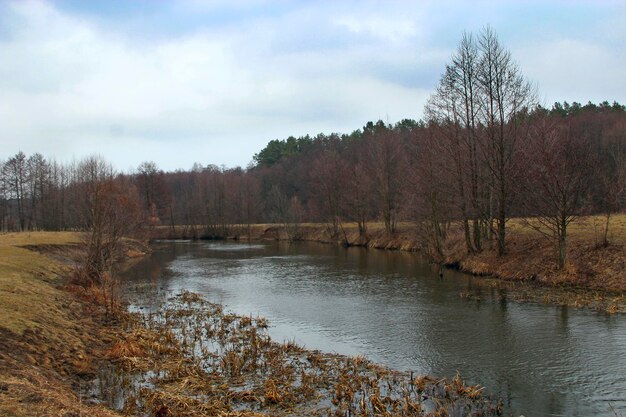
566 109
277 149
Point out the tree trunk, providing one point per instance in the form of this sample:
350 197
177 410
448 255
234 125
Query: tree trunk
466 228
477 235
468 236
606 229
502 220
562 243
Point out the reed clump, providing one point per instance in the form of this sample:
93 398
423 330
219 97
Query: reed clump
193 359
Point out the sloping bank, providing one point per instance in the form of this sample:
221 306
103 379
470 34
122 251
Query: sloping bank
53 335
595 274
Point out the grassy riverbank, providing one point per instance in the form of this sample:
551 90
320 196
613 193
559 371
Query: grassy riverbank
594 275
50 338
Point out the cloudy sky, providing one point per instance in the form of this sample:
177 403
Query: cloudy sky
178 82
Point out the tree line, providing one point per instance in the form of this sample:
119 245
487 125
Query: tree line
486 152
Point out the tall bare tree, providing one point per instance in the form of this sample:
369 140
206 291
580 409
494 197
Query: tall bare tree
611 175
505 99
452 112
478 113
4 212
428 196
39 183
359 192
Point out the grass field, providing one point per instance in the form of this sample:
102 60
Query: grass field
27 298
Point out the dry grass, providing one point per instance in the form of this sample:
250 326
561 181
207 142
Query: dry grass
532 256
32 393
47 334
28 297
594 275
588 229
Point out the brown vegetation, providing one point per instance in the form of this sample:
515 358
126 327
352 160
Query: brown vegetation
49 337
193 359
591 264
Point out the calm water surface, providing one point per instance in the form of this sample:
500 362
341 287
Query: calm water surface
393 308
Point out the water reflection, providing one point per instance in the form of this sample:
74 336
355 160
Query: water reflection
395 309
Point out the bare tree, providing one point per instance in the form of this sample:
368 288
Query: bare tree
612 175
327 178
39 183
386 165
505 97
286 211
58 201
110 211
452 153
558 181
452 112
479 116
295 217
215 201
429 201
359 193
249 201
4 212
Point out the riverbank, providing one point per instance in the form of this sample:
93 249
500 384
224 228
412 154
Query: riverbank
595 275
51 336
62 353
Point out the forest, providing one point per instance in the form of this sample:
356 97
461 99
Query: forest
485 152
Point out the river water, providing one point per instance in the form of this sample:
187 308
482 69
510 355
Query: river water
394 308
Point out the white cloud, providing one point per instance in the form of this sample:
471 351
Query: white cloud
392 29
574 70
72 84
72 88
64 79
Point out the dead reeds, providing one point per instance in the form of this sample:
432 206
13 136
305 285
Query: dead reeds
193 359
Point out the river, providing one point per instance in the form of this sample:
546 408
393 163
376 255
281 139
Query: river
395 309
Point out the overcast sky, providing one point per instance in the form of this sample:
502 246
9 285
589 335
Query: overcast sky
178 82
